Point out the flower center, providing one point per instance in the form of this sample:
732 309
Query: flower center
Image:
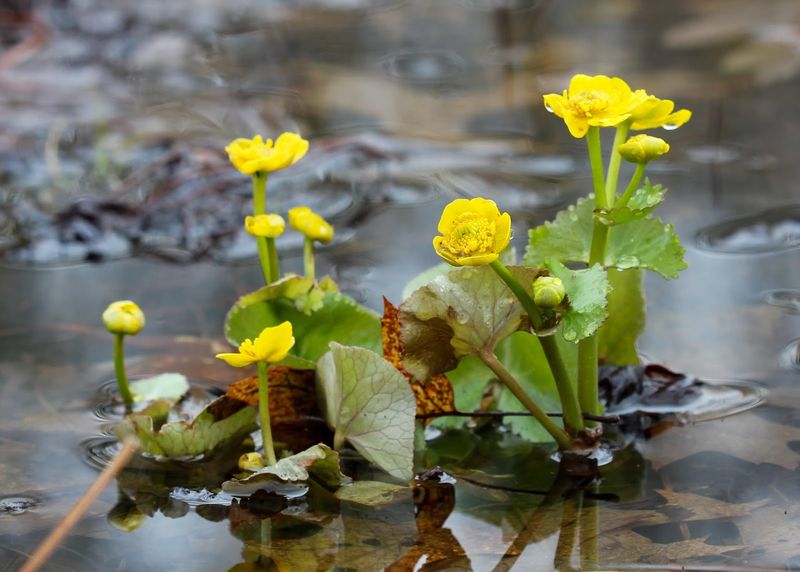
469 234
589 103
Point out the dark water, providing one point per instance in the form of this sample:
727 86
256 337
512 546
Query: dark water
407 104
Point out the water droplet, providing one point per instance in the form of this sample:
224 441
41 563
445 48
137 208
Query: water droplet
670 126
548 108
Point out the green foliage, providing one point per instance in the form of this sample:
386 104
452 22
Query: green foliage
643 202
646 243
335 318
319 462
626 307
223 420
586 291
369 404
171 386
461 313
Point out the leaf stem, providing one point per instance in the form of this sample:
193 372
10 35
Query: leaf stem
263 413
308 257
614 162
633 185
566 392
119 368
265 253
491 361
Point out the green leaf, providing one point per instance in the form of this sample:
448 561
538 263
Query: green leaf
339 319
373 493
646 243
626 307
369 404
522 355
643 202
319 462
223 420
587 291
170 386
458 314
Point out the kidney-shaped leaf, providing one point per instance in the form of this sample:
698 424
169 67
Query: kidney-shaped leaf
368 403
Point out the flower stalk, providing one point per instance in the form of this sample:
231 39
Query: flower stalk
308 257
123 318
267 253
263 414
119 369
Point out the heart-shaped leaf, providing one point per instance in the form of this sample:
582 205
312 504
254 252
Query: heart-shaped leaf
587 291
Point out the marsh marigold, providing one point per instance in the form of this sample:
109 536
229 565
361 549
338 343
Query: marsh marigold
265 225
594 101
258 156
474 232
313 226
654 112
123 317
272 345
643 148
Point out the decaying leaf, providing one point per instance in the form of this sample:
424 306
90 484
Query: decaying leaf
292 393
434 395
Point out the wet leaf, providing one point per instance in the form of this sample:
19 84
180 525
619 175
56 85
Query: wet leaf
462 313
587 291
435 395
319 462
373 493
369 403
292 393
223 420
643 202
170 386
339 318
626 318
645 243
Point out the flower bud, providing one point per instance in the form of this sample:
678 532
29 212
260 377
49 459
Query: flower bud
643 148
265 225
312 225
548 291
123 317
251 462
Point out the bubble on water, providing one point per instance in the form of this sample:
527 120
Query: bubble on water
17 505
768 231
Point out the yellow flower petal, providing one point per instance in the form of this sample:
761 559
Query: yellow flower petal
473 232
255 155
236 360
265 225
272 345
313 226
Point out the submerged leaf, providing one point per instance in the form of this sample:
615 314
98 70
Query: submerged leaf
434 395
319 462
369 404
170 386
338 318
462 313
646 243
626 308
643 202
223 420
587 291
373 493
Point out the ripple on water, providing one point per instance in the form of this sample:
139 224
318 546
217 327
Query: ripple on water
99 451
108 406
424 66
17 505
773 230
784 298
790 355
506 5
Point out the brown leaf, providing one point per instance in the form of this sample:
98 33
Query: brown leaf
292 393
434 395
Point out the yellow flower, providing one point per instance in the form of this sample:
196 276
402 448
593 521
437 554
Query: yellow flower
313 226
265 225
653 112
594 101
257 156
271 345
473 231
123 317
643 148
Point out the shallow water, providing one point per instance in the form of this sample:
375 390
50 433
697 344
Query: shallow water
408 104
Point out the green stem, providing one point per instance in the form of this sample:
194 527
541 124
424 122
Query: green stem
587 376
633 185
260 207
573 418
274 266
491 361
596 161
119 368
308 257
263 413
614 162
